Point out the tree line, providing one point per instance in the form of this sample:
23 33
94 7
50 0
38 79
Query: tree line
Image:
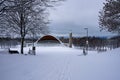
94 42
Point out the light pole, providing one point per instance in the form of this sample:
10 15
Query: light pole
33 48
87 43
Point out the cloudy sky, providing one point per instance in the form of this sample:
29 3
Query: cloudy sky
75 15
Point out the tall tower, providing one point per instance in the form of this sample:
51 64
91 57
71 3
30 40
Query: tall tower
70 40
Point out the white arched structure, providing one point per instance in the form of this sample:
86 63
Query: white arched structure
48 40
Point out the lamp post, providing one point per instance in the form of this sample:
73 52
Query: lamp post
33 48
87 43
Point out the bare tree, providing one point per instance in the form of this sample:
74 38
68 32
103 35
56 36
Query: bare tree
109 17
2 6
24 17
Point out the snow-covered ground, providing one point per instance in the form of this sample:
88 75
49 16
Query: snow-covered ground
60 63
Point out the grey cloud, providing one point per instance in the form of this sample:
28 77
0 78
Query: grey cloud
75 15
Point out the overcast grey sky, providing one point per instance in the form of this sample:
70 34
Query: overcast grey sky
75 15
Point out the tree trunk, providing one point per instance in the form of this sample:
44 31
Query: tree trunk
22 45
22 31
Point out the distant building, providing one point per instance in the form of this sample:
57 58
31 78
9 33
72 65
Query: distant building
48 40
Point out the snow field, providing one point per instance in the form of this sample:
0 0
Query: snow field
60 63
